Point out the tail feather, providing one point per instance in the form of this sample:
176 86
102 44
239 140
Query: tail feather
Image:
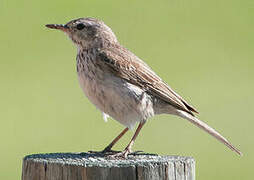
208 129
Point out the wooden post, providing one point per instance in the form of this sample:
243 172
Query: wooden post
90 166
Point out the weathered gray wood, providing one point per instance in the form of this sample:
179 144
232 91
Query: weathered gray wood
88 166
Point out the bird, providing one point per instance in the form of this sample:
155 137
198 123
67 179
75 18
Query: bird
121 85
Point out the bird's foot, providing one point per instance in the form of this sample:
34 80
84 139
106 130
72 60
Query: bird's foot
106 151
120 155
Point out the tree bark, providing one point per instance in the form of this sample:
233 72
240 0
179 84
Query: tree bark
94 166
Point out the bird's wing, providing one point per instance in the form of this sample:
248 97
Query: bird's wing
126 65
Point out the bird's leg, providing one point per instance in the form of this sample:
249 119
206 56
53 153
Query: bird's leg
108 148
128 150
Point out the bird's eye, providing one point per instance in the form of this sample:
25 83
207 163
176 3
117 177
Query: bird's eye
80 26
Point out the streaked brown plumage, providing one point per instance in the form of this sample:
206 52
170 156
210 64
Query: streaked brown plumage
126 65
120 84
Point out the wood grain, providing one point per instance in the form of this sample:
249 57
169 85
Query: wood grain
91 166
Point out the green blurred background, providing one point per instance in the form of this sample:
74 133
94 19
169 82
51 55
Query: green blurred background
203 49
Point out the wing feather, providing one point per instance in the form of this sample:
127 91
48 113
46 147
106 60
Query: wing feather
126 65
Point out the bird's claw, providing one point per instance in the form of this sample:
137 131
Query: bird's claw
105 152
120 155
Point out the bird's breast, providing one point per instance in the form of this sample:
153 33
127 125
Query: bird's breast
123 101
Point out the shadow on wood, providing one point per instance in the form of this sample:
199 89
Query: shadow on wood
94 166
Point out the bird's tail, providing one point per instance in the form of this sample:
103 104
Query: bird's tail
208 129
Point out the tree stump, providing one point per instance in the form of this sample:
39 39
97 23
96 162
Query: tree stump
94 166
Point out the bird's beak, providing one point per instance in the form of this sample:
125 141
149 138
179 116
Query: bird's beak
58 26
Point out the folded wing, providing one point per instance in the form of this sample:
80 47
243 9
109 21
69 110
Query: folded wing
126 65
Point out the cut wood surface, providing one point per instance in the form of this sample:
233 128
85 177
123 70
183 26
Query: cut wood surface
94 166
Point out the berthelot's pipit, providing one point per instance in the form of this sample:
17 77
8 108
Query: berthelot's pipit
120 84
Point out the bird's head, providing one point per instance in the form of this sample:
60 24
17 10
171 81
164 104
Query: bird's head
86 32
